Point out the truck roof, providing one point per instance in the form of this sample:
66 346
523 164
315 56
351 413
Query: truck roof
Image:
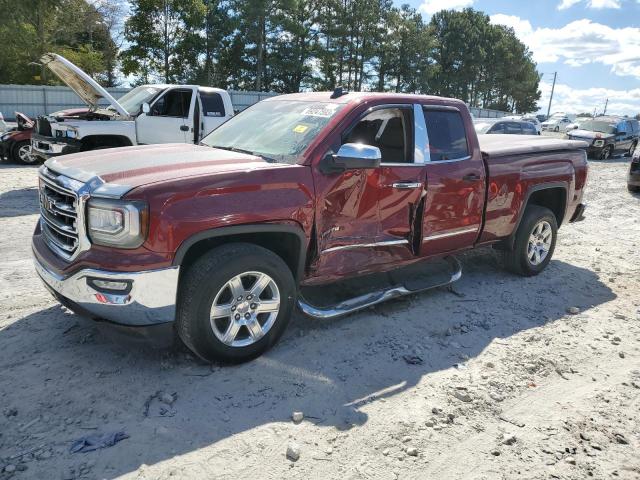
356 97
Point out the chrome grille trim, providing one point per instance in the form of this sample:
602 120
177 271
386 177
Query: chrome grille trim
62 201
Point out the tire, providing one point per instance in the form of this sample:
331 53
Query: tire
21 153
633 188
631 150
557 129
206 282
606 152
518 260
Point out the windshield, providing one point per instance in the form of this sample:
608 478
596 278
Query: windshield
598 126
132 100
483 127
279 130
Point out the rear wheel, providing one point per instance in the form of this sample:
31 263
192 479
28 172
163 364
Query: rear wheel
633 188
22 153
535 242
631 150
235 302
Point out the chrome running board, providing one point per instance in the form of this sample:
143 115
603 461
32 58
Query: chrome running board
370 299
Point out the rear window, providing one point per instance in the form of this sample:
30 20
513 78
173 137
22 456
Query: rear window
447 136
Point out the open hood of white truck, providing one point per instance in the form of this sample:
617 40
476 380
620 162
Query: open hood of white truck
85 87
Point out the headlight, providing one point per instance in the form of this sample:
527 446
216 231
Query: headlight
598 143
117 223
72 132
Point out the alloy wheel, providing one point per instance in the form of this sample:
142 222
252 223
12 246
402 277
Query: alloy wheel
539 242
24 154
245 309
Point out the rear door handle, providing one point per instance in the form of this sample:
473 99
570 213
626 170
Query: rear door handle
184 128
406 185
471 177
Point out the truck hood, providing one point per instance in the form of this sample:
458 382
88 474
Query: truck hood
85 87
579 134
114 172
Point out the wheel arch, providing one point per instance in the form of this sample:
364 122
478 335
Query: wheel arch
552 195
289 242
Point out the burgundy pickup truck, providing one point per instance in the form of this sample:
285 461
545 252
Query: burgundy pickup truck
219 241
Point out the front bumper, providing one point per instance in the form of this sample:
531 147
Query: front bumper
594 152
149 299
47 147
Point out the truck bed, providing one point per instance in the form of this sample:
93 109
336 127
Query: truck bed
497 145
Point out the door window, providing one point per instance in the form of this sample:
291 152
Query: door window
447 135
386 129
212 104
529 129
175 103
513 128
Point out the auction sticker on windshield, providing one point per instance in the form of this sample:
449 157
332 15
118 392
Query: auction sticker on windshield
324 110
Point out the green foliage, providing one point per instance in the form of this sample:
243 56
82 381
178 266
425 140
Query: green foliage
29 28
275 45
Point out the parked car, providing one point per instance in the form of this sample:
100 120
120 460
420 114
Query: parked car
299 190
147 114
558 122
15 145
633 179
541 118
608 136
526 118
509 127
3 125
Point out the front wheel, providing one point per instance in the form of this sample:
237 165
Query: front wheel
22 153
606 152
235 302
535 242
557 129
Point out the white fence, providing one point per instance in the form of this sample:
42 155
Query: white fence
34 100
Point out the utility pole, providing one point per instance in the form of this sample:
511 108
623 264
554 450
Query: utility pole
605 107
553 87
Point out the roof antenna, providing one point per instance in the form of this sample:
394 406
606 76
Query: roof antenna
338 92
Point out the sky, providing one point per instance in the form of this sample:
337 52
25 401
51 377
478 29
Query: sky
593 45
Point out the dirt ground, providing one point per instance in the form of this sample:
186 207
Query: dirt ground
496 380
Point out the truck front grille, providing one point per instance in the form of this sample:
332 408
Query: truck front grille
43 127
59 216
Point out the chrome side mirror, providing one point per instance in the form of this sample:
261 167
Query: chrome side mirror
352 156
146 108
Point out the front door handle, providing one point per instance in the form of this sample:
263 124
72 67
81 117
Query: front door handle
406 185
471 177
184 128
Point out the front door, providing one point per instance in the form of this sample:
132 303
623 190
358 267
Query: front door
365 218
170 119
455 190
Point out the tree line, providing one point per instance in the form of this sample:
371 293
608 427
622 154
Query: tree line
274 45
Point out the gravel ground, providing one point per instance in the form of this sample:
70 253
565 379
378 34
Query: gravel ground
496 379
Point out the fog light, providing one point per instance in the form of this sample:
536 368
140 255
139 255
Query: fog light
110 284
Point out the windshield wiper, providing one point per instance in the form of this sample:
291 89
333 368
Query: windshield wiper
248 152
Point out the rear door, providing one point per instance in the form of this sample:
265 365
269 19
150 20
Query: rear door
513 128
170 119
212 111
455 183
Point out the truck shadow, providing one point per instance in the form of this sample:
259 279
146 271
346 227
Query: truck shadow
16 203
61 369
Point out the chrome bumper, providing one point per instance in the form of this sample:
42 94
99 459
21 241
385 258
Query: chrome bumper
149 299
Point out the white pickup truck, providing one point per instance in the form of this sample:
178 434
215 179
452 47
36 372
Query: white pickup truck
147 114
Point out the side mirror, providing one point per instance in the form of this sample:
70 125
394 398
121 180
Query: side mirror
353 156
146 108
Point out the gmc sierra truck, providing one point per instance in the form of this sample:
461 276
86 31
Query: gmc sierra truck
145 115
218 242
